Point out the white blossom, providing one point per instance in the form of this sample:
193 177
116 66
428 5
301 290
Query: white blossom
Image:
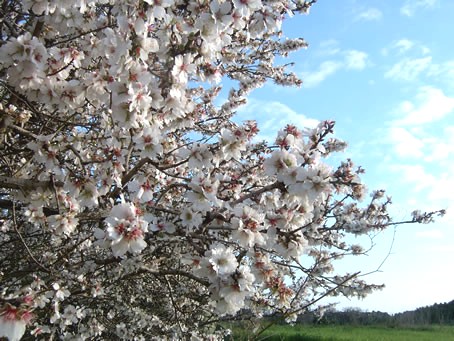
129 189
221 260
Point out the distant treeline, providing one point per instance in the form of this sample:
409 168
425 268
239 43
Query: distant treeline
442 313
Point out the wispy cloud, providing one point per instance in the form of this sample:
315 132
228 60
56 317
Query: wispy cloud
444 72
427 189
412 6
272 115
408 69
442 148
403 46
328 47
440 193
430 190
355 60
413 59
311 79
345 60
430 105
420 148
370 14
420 144
405 143
416 175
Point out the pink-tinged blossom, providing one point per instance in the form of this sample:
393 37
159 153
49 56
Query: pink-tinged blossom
183 68
248 238
191 219
135 189
158 225
60 292
248 225
71 315
39 6
199 156
144 190
88 196
46 152
35 215
126 229
295 246
39 330
234 292
232 300
221 12
246 7
262 268
203 193
198 200
147 45
158 7
238 19
139 101
148 141
24 48
280 162
313 182
232 143
13 321
221 260
62 224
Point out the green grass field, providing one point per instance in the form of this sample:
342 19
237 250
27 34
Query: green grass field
349 333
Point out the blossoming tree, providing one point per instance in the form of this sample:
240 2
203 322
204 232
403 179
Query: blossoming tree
134 207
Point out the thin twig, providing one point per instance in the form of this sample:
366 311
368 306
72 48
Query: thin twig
309 304
24 243
175 308
79 35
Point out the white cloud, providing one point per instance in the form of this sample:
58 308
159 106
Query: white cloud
421 150
425 187
405 143
411 6
311 79
413 174
408 69
441 150
440 193
403 45
355 60
272 116
415 60
444 72
328 48
417 137
443 68
431 189
350 60
431 104
370 14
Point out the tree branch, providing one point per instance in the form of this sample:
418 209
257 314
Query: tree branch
24 243
175 273
26 184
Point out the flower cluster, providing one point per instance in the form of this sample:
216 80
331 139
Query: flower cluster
13 320
126 229
132 204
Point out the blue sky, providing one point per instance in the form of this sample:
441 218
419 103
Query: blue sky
384 71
